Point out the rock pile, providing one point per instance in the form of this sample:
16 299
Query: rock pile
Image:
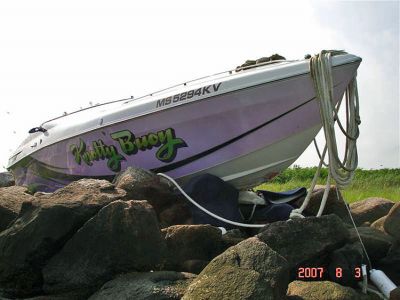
132 239
6 179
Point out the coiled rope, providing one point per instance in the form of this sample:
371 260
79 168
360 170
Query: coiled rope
341 171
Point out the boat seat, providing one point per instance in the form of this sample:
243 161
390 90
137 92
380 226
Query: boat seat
283 197
248 197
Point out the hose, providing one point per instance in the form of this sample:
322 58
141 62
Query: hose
206 210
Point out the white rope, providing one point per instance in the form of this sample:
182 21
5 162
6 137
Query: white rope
207 211
355 227
342 171
298 212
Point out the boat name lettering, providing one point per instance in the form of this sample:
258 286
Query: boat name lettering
208 89
165 140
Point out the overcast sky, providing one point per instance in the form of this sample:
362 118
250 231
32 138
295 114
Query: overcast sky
59 56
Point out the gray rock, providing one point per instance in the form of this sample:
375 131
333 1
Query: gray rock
141 184
370 210
64 296
392 222
327 290
391 263
379 224
304 241
376 242
249 270
163 285
176 213
395 294
191 242
233 237
11 199
333 204
348 258
6 179
194 266
42 228
122 237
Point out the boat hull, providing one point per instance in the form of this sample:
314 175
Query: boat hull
245 136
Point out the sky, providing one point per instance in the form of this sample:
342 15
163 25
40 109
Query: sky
57 56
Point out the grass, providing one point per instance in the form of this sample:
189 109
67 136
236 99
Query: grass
383 183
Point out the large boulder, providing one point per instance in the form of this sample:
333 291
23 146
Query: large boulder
233 237
176 213
347 258
249 270
161 285
392 222
305 241
64 296
370 210
379 224
141 184
333 204
191 242
6 179
395 294
11 199
391 263
375 241
42 228
326 290
122 237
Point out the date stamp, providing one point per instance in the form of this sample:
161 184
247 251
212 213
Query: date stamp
320 273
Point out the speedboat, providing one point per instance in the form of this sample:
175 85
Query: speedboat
244 126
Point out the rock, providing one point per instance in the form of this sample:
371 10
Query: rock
11 199
177 213
6 179
348 258
233 237
333 205
390 265
376 242
141 184
317 290
303 241
194 266
392 222
191 242
161 285
378 224
64 296
122 237
249 270
370 210
42 228
395 294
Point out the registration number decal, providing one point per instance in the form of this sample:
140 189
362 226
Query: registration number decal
205 90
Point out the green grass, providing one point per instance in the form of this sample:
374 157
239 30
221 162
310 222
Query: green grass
383 183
